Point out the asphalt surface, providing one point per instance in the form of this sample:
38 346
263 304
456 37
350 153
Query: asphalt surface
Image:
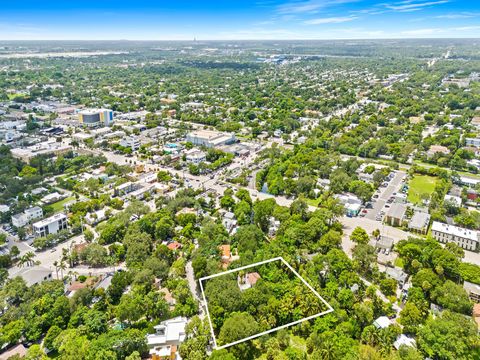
386 192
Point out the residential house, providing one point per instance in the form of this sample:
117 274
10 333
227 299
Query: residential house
397 274
248 280
169 334
52 198
403 340
476 314
473 291
437 149
475 142
382 322
225 253
455 200
22 219
351 202
95 217
230 222
174 246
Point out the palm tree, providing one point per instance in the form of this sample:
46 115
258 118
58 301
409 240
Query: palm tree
29 258
62 267
55 263
22 261
327 350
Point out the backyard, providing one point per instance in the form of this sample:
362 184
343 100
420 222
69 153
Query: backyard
421 187
59 205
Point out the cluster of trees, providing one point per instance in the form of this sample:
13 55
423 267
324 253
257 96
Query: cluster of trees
276 299
215 158
296 173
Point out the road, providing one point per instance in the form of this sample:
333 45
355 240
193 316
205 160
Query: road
48 257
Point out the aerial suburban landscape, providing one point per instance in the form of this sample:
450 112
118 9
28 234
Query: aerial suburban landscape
239 198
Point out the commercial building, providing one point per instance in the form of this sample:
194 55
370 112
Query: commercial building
22 219
169 334
195 156
50 225
47 148
131 142
465 238
96 117
34 274
210 138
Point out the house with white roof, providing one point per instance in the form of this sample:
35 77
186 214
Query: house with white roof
169 334
382 322
403 340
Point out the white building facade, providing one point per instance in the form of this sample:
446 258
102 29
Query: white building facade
465 238
50 225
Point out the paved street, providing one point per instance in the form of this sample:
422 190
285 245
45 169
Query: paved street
48 257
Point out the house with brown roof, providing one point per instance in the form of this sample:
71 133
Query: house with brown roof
248 280
475 122
225 253
174 246
435 149
476 314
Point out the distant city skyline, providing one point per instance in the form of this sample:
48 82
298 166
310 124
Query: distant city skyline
239 20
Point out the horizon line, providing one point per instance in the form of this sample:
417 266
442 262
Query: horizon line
296 39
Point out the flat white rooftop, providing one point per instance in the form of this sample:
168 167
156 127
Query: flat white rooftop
49 220
455 231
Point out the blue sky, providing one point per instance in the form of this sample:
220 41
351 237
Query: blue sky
245 19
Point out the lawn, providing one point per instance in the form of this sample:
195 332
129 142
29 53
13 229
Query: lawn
58 206
420 184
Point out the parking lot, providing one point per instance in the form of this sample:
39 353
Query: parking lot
383 194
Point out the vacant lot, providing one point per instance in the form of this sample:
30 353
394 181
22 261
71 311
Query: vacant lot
258 299
420 187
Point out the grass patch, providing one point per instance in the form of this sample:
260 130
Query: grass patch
58 206
420 184
398 262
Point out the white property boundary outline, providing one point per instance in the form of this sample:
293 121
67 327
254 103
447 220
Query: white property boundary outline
216 347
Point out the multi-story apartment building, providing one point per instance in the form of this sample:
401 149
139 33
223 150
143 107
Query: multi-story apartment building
22 219
465 238
50 225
